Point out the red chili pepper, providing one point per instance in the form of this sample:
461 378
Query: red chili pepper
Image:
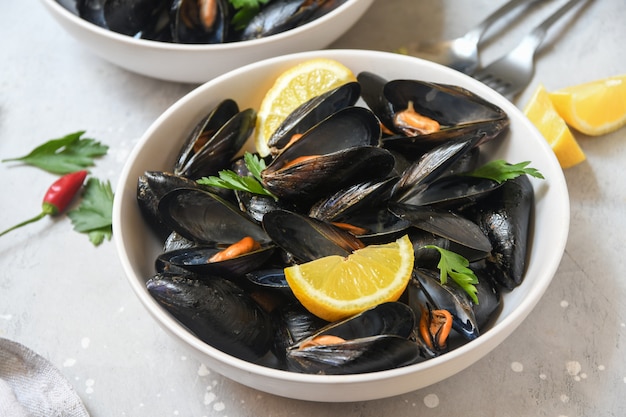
57 198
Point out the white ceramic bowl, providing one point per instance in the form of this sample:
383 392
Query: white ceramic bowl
157 150
200 63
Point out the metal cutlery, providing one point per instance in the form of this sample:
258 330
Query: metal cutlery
511 73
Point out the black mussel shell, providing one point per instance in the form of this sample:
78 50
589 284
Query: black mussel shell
294 323
314 111
505 217
368 354
270 279
204 131
307 238
279 16
449 225
310 180
431 166
489 294
217 311
454 191
191 23
132 17
211 148
374 340
197 259
151 187
449 297
343 203
451 106
372 92
206 218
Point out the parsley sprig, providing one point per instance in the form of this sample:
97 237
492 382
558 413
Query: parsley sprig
64 155
94 214
455 266
499 170
231 180
245 11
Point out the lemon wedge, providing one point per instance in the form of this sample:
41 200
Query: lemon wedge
594 108
544 116
335 287
293 87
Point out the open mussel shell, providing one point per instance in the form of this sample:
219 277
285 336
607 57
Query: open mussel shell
272 279
206 218
217 311
465 233
430 166
198 259
372 93
448 297
451 106
343 203
307 238
457 190
192 21
294 323
312 112
215 140
374 340
307 181
375 226
341 150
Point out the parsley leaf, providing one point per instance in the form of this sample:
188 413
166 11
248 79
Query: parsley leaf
230 180
245 10
500 171
94 214
64 155
456 267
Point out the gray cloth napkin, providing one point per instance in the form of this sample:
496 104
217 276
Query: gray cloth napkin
31 387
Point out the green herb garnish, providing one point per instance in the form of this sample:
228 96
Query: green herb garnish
64 155
455 266
245 10
94 214
500 171
231 180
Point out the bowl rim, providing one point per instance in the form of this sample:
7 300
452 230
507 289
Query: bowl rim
182 47
496 334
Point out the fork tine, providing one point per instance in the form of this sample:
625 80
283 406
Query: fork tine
510 74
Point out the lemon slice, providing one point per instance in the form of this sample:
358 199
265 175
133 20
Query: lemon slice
292 88
543 115
593 108
335 287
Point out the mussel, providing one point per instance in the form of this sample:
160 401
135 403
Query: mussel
374 340
317 163
215 140
505 217
199 21
217 311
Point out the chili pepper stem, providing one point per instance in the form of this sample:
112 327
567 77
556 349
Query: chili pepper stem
45 212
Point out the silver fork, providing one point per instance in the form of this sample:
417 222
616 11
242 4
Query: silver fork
462 53
511 73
